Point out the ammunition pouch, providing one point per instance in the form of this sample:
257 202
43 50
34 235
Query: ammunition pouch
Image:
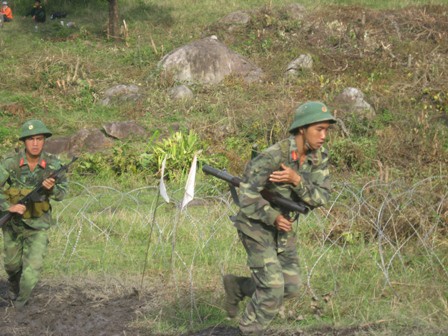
35 209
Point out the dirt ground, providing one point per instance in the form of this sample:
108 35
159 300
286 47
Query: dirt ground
90 308
58 309
87 308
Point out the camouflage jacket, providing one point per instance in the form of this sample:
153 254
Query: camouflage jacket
16 180
257 216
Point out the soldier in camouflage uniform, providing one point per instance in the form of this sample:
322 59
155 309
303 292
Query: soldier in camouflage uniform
25 236
297 168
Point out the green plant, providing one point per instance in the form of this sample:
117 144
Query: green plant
353 155
124 160
92 164
179 150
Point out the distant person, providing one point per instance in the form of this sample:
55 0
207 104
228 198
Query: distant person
5 12
37 12
25 235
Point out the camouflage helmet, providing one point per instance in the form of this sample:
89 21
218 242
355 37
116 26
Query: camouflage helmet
34 127
310 113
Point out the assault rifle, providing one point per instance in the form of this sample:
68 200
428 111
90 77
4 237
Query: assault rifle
36 192
283 203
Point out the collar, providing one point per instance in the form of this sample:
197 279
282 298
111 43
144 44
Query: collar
24 161
311 156
293 152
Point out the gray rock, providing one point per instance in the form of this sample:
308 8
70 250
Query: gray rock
303 62
89 140
208 61
122 130
58 145
181 92
86 140
351 100
121 92
241 18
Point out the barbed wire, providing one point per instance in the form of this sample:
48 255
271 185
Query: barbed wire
386 218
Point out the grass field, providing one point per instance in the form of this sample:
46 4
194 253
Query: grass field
374 261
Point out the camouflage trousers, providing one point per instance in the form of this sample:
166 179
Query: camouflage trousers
24 251
276 276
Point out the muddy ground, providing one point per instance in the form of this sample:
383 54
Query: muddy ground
88 308
58 309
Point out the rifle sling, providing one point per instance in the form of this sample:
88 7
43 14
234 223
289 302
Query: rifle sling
234 194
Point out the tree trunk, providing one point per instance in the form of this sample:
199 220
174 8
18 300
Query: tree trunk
114 31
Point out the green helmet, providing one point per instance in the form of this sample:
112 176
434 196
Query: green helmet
34 127
310 113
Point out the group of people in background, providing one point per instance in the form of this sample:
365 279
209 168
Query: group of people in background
37 12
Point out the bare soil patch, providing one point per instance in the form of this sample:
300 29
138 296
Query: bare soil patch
61 309
88 307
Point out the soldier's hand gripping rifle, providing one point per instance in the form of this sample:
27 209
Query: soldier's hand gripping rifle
287 206
36 192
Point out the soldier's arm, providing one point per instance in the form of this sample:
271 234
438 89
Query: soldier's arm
4 175
60 186
252 204
314 188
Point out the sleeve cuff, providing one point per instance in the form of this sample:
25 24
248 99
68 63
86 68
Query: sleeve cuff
300 188
271 216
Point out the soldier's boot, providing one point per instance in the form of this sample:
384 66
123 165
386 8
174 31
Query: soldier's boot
14 286
236 289
247 286
233 295
19 305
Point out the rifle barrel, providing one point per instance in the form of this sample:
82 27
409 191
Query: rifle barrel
279 200
221 174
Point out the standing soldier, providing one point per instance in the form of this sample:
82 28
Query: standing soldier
296 168
25 236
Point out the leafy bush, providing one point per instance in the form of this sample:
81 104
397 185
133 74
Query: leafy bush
353 155
179 150
92 164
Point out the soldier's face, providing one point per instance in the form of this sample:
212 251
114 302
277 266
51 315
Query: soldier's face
34 144
316 134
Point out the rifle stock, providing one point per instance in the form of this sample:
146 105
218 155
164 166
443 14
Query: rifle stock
36 191
282 202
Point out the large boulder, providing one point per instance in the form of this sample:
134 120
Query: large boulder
124 129
58 145
239 18
86 140
302 63
122 93
89 140
208 61
352 101
94 140
181 92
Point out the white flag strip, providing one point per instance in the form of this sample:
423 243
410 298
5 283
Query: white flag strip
163 192
189 187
